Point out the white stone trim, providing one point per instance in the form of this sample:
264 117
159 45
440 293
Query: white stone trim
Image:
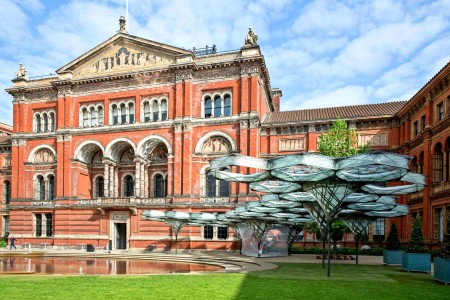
150 101
107 152
141 144
78 151
203 139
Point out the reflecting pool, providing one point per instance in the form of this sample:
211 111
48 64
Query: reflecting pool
96 266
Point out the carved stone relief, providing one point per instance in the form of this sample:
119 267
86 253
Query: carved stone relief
216 145
291 144
44 156
120 58
380 139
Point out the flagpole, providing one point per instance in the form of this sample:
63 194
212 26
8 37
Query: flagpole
126 15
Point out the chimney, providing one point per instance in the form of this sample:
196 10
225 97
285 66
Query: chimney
276 97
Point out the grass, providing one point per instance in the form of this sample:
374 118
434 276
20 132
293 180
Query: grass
289 281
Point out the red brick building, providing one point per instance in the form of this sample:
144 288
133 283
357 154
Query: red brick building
132 124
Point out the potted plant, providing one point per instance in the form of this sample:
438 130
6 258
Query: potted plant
442 264
392 255
416 257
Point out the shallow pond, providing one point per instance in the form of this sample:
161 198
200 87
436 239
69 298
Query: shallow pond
96 266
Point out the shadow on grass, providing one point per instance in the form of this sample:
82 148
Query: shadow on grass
309 281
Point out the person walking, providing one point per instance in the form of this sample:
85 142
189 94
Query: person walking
12 241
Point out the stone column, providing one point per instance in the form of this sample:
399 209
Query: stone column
106 179
142 179
116 182
111 181
137 185
445 167
46 185
146 195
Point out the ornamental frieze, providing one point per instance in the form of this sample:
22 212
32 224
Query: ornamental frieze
64 138
19 142
205 75
183 76
249 70
379 139
120 58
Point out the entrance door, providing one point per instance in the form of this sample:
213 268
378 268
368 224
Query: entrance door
120 235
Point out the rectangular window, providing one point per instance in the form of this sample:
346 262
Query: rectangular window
222 233
115 120
440 111
49 224
438 224
208 232
38 224
423 122
378 230
155 116
415 128
131 118
164 115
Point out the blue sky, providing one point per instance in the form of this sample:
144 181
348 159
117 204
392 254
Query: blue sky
321 53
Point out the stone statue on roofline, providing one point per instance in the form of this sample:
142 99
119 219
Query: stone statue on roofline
122 24
251 39
22 73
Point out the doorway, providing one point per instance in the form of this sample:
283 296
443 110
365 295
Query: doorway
120 235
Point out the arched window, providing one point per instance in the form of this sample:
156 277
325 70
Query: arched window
155 108
227 106
115 115
99 187
37 119
85 117
51 187
164 110
100 116
45 118
123 114
210 185
128 186
160 187
93 117
131 112
41 185
208 107
217 106
146 112
52 121
7 192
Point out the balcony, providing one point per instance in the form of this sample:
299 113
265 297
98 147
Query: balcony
111 202
440 187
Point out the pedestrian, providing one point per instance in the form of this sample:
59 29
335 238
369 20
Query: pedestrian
12 241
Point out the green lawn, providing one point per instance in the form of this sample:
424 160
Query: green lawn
290 281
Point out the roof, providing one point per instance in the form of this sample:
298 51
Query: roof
332 113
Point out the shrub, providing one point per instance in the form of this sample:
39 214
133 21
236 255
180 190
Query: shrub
445 246
416 240
393 241
3 244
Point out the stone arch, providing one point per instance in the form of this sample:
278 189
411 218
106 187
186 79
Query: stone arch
151 142
203 139
115 148
39 148
86 151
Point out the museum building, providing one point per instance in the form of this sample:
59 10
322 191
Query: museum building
132 124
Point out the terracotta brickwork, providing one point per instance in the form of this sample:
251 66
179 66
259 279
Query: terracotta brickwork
132 124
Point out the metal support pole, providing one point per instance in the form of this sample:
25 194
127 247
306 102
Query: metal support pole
329 248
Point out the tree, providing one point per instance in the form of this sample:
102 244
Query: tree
416 240
338 228
341 141
445 247
393 241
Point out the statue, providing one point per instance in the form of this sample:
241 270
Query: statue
123 24
251 39
22 72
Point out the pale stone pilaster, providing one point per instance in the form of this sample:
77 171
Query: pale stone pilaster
111 181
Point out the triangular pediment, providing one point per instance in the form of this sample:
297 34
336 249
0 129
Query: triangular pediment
123 53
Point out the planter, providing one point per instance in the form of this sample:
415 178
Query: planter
442 269
416 262
392 257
